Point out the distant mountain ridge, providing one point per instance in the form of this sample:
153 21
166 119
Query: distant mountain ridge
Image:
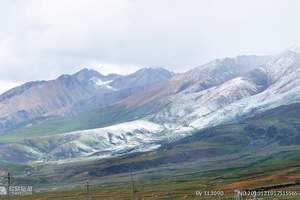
60 96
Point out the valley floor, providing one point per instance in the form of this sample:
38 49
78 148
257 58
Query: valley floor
280 178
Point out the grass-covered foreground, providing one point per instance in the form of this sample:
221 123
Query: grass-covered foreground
186 184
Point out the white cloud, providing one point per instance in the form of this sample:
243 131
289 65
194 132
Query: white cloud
40 39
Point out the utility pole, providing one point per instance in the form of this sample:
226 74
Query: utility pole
132 183
88 190
237 195
8 184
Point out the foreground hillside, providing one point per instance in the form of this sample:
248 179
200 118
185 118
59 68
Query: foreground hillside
262 151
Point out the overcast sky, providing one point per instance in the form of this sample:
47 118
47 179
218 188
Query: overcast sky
41 39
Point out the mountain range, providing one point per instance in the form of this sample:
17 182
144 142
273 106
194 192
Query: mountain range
89 116
71 94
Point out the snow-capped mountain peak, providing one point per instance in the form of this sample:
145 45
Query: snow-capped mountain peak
282 65
295 49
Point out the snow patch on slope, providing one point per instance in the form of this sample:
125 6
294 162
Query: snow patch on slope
114 140
104 84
